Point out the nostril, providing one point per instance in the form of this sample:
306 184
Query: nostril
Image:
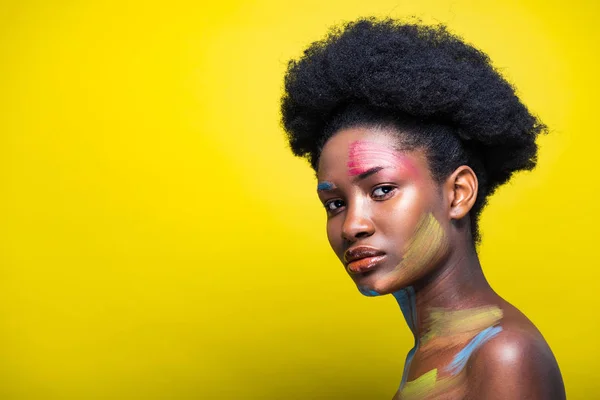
360 235
357 225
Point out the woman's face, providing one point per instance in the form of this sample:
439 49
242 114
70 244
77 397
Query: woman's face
385 213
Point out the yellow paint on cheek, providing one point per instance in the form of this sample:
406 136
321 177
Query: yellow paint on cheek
429 241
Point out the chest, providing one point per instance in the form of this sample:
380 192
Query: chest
437 369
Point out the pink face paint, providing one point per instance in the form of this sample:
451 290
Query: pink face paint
365 155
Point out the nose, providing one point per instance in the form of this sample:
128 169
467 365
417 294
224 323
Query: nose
357 224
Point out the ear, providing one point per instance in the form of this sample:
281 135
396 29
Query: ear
461 187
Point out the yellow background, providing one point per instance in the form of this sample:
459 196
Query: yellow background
159 241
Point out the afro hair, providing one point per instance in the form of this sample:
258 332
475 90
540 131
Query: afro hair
443 95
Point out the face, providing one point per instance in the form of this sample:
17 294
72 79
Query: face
385 213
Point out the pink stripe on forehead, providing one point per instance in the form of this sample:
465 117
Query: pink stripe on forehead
364 155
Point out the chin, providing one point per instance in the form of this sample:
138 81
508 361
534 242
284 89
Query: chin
376 283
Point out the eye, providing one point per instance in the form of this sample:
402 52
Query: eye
382 192
334 205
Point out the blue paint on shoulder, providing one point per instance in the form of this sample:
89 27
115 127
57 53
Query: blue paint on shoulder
461 359
325 186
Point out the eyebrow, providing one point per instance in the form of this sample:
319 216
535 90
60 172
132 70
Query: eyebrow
325 186
367 173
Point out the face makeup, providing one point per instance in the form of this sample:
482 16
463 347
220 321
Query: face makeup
325 186
427 244
389 224
366 158
364 155
367 292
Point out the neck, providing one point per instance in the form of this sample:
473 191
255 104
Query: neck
458 284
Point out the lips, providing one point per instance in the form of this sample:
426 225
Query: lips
361 259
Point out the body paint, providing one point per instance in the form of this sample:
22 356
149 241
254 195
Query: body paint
325 186
407 301
430 385
421 386
461 358
445 327
368 292
427 243
364 155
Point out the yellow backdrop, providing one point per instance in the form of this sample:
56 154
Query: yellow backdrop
158 240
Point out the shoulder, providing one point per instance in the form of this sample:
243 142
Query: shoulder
515 364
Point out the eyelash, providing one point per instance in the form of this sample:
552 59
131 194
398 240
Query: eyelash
327 204
385 195
377 198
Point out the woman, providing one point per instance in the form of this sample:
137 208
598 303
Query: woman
409 131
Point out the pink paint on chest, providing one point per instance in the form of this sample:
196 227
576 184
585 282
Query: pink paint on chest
364 155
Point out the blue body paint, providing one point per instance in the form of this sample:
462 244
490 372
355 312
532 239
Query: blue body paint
461 359
407 362
325 186
367 292
407 300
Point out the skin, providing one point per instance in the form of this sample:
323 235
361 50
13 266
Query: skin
378 195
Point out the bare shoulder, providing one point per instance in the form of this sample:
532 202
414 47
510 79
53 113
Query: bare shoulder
516 364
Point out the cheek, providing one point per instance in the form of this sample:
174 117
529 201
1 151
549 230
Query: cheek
334 236
398 218
427 246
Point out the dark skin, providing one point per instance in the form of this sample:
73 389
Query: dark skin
381 209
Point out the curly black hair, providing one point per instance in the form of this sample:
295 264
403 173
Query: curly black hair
441 93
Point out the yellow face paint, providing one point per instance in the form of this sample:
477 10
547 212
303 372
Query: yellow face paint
428 244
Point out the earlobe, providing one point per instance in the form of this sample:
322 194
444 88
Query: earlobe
464 186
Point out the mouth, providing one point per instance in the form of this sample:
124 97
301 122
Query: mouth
364 264
362 259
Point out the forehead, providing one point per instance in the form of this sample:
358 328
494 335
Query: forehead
353 151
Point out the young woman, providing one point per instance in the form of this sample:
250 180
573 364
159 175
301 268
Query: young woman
409 131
